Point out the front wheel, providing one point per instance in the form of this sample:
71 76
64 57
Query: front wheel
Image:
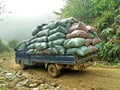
53 71
22 65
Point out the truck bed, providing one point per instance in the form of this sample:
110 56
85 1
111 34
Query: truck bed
60 59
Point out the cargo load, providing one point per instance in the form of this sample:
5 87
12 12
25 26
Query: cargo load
66 36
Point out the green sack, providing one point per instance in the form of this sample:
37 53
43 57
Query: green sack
35 31
91 35
42 33
51 25
97 46
37 51
74 42
66 23
30 51
56 42
41 46
58 29
39 39
31 46
96 35
52 50
56 36
83 50
72 50
60 49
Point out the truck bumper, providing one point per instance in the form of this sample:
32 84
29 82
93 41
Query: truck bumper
81 66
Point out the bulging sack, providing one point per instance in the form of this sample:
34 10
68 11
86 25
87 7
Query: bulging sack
91 35
78 26
71 50
88 42
39 39
42 33
58 29
77 33
74 42
92 48
97 46
60 49
52 50
31 46
46 52
95 41
37 51
56 36
82 51
90 28
41 46
36 30
56 42
30 51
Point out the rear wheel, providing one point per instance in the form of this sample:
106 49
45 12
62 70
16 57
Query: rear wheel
22 65
53 71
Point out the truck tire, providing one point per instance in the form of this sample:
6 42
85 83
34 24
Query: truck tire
22 65
53 71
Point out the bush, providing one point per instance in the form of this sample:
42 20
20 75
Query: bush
13 43
3 47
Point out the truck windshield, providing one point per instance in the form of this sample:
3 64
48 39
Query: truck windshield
22 46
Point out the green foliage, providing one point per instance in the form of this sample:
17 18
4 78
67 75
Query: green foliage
76 8
105 16
7 54
13 43
107 34
3 47
117 19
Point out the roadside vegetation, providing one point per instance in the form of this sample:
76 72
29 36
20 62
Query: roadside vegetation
105 16
7 50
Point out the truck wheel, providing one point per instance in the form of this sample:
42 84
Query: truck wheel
53 71
22 65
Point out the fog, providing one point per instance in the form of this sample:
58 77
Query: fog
21 27
25 16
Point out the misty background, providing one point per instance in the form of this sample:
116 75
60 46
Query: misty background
20 23
13 27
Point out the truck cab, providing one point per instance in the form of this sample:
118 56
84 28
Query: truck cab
21 56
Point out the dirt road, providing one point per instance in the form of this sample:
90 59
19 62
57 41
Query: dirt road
93 78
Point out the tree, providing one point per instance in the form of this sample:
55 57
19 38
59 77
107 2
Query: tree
13 43
80 9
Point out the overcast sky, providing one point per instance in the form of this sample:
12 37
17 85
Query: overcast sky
25 15
33 7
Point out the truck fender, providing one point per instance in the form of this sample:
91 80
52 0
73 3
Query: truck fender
58 66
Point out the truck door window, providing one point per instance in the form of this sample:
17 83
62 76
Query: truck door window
21 46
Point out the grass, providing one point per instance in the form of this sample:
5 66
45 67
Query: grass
7 54
107 65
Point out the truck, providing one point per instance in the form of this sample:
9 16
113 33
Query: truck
53 63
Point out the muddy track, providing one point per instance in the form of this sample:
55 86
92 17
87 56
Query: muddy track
93 78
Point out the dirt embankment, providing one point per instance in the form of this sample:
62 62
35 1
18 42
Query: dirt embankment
93 78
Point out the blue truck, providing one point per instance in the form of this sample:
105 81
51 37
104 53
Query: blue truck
53 63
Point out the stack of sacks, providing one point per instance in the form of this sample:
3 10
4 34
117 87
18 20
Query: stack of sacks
81 39
66 36
49 38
